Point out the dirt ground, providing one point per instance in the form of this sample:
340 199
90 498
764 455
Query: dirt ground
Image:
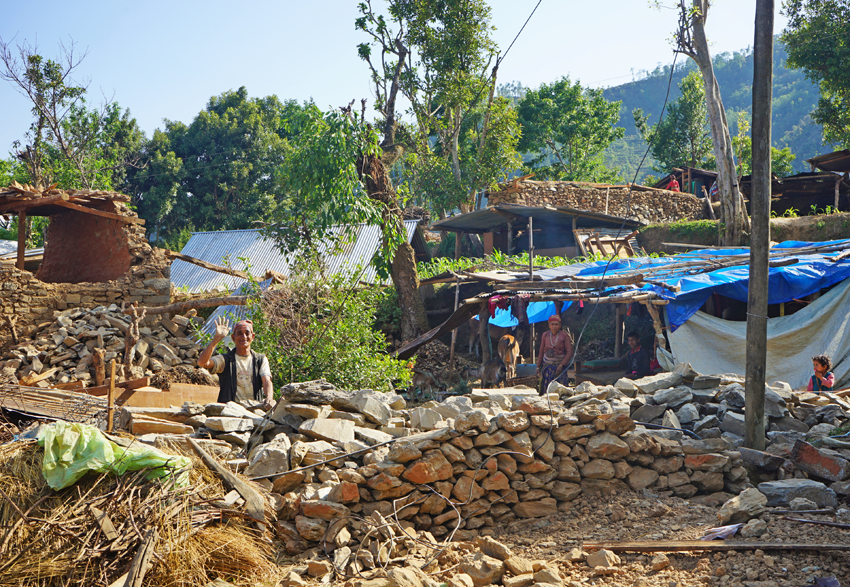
650 518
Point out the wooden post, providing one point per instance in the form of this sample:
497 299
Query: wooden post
656 324
457 300
22 238
837 185
510 237
99 366
484 332
760 234
110 397
618 329
531 272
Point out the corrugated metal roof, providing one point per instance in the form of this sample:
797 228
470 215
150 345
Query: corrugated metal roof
232 313
486 219
247 250
8 247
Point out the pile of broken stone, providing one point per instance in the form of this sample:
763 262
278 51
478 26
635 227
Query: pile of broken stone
367 480
61 351
713 408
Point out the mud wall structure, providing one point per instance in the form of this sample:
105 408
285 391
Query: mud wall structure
88 261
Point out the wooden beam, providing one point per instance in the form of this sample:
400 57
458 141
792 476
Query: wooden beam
206 265
181 307
22 238
110 397
96 212
714 545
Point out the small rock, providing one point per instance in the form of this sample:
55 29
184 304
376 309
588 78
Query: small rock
484 570
741 508
602 558
754 528
799 504
659 561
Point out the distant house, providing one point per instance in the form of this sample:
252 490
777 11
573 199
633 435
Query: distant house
247 250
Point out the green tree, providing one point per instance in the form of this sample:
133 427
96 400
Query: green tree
68 142
781 160
568 127
682 138
436 55
818 39
219 172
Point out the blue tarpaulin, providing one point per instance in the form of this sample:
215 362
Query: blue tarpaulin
810 274
537 312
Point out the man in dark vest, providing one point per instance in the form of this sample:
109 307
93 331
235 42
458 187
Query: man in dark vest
244 376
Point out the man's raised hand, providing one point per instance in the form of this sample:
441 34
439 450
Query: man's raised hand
222 327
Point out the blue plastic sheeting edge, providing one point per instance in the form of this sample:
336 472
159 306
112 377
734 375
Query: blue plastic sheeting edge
537 312
808 275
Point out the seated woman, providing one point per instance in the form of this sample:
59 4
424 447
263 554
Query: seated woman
556 350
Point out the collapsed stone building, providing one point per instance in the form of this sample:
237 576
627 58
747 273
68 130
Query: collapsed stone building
95 253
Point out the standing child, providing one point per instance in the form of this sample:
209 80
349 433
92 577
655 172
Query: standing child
823 379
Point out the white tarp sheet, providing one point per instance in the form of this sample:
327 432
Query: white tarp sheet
713 346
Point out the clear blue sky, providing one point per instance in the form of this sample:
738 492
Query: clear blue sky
166 59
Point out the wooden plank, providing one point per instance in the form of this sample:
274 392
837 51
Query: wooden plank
104 522
714 545
31 380
101 213
203 394
102 390
73 385
150 399
140 425
254 504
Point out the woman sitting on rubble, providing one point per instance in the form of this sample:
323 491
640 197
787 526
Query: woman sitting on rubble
823 379
556 350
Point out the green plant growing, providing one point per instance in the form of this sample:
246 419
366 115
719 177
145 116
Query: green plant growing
790 213
821 224
321 327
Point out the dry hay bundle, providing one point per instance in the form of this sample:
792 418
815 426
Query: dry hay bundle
53 538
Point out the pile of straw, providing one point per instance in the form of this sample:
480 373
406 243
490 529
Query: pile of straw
53 538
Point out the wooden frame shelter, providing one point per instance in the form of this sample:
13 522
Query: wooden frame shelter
26 200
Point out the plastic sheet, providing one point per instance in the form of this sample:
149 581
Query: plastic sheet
72 449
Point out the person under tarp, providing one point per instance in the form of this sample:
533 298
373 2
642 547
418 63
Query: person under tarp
556 350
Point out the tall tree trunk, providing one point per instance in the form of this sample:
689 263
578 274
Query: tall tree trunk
403 270
733 214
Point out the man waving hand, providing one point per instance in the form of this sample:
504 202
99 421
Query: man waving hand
244 375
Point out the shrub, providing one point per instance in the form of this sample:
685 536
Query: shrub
322 327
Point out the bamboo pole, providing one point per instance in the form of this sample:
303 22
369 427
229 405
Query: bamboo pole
110 398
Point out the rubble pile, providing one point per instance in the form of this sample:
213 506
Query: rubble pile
713 408
457 468
61 351
645 205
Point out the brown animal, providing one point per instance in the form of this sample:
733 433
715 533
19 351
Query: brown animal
496 333
492 374
423 379
509 353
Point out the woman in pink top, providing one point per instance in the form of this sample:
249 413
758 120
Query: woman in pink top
556 350
822 380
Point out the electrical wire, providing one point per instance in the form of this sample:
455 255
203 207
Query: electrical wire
627 216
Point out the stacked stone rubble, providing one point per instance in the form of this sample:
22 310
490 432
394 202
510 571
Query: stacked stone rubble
67 343
649 207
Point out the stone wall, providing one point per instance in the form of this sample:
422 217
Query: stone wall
656 206
32 301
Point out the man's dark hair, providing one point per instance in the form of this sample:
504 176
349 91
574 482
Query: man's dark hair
634 335
823 360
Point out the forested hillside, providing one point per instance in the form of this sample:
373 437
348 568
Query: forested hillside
794 97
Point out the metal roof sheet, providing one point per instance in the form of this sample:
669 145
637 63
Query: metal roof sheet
247 250
486 219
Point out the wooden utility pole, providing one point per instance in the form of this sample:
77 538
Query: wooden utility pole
760 237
